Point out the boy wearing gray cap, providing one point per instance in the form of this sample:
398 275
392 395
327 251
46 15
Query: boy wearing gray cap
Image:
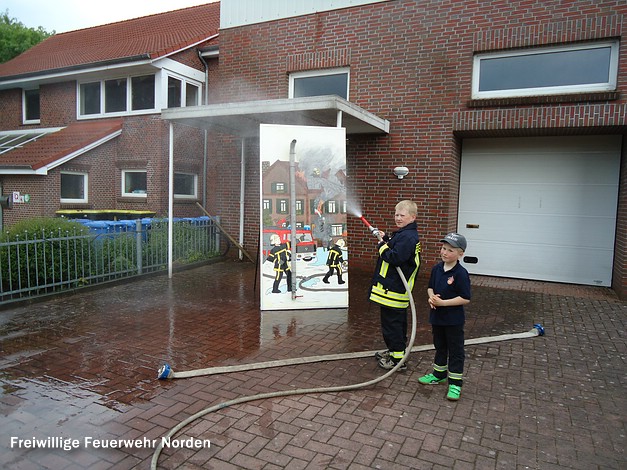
449 291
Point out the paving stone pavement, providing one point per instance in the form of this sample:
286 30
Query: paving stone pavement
80 371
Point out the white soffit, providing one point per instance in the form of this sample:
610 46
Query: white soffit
243 118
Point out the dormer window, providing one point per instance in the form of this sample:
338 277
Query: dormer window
116 96
181 91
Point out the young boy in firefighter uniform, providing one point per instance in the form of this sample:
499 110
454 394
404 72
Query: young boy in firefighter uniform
448 291
280 255
401 249
334 262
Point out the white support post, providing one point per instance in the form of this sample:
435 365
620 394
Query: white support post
170 200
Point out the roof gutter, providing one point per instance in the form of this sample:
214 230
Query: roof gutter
5 82
189 46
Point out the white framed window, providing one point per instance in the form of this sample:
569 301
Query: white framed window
30 106
282 206
134 183
74 187
319 83
298 206
337 230
278 188
578 68
117 96
185 185
181 91
331 207
192 94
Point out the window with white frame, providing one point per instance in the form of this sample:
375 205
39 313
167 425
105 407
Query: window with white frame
331 207
192 94
174 92
319 83
134 183
185 185
578 68
282 206
181 91
73 187
142 92
278 188
31 107
116 96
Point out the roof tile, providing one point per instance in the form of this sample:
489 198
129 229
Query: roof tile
57 145
153 36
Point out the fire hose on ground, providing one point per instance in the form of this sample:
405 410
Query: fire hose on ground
166 372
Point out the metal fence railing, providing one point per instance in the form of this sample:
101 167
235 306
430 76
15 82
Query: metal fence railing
42 263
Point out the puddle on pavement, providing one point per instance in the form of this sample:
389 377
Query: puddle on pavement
46 408
38 392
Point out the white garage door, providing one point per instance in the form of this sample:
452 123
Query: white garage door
540 208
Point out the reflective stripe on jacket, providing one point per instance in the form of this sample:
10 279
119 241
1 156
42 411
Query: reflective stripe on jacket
401 250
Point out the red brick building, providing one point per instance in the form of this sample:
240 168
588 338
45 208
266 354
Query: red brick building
80 116
510 116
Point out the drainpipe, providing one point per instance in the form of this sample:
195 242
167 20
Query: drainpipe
241 196
205 144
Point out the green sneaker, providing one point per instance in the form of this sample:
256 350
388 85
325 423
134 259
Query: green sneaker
454 392
430 379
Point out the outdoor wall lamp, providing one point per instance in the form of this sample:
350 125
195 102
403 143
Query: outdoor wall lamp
401 172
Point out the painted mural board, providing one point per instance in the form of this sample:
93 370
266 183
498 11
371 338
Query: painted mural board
303 195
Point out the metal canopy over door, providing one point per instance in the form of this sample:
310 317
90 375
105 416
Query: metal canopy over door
541 208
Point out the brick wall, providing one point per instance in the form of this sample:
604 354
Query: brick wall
144 144
410 62
10 109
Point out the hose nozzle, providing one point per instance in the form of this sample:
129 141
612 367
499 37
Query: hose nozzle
165 372
373 230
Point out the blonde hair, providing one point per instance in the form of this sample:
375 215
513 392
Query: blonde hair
410 206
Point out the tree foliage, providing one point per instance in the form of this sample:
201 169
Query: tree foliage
15 38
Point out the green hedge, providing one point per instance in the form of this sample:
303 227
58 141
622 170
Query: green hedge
55 261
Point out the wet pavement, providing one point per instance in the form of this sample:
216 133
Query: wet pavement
80 389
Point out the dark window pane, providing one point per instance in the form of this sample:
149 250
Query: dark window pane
90 98
336 84
174 93
135 182
115 95
560 68
143 92
31 101
72 186
191 95
184 184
